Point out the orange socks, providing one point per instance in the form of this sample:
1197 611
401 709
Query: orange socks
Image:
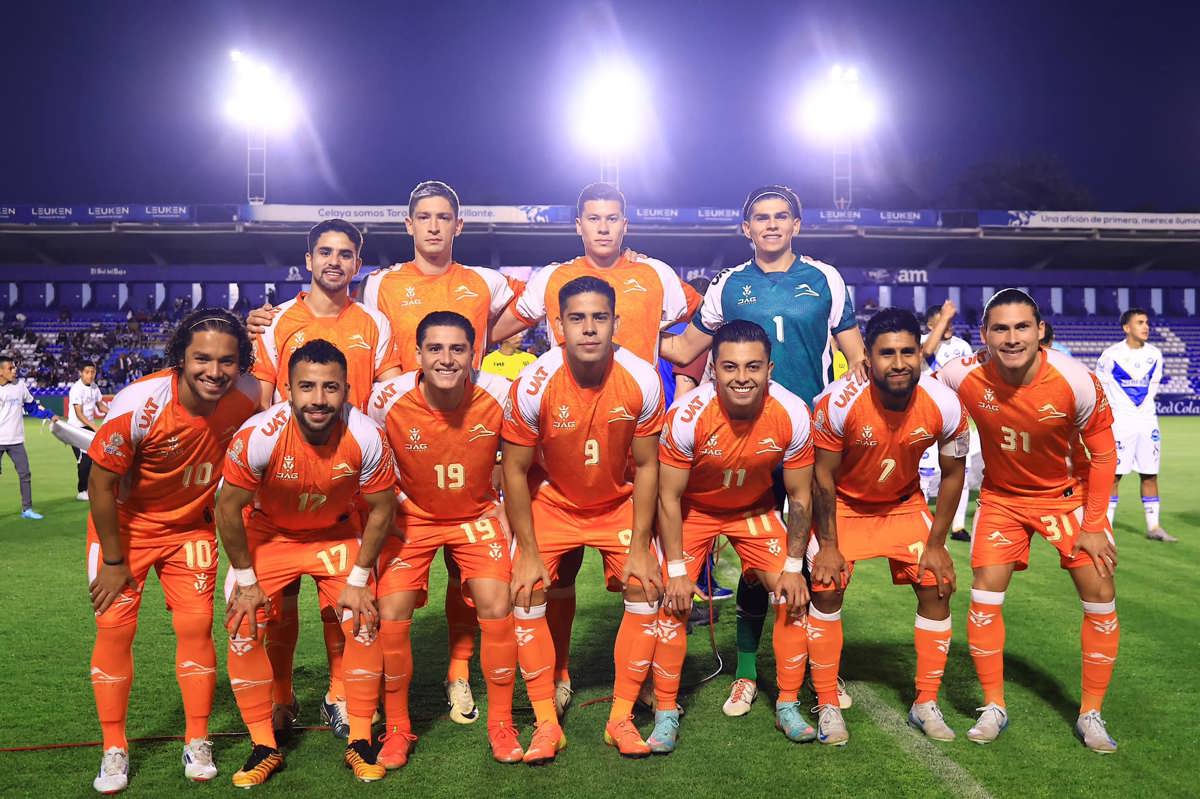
498 658
195 669
1099 637
462 624
112 676
282 634
633 654
560 615
250 678
363 665
335 646
535 654
669 653
985 638
931 638
789 638
397 671
824 653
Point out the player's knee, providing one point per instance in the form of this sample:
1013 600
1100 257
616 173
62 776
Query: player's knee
396 607
828 601
192 626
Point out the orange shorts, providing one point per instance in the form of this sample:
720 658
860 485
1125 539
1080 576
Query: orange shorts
899 535
758 537
186 568
1004 527
278 561
480 548
561 531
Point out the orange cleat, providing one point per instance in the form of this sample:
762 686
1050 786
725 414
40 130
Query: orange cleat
622 734
505 746
398 744
548 740
362 760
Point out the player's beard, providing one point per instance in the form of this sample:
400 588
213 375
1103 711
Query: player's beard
887 388
302 418
330 287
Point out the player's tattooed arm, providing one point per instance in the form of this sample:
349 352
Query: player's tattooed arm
791 587
247 599
528 567
672 482
935 557
828 565
641 565
113 575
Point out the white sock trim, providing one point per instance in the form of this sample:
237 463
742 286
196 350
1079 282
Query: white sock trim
1099 608
816 614
987 597
641 608
534 612
933 625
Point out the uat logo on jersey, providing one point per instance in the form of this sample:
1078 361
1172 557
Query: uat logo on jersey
693 407
385 394
148 412
276 424
536 380
848 393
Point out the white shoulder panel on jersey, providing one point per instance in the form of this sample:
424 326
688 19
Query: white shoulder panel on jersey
386 394
532 385
843 394
952 374
151 394
500 293
369 438
686 411
531 305
1079 378
712 315
797 411
495 385
674 299
270 346
948 405
261 445
837 289
648 381
371 283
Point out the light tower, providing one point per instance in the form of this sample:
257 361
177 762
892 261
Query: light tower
262 102
837 111
609 115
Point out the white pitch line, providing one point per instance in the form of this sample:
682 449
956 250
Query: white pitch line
929 754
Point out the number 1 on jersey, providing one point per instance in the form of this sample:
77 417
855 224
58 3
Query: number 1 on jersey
778 328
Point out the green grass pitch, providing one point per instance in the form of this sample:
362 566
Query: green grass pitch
47 632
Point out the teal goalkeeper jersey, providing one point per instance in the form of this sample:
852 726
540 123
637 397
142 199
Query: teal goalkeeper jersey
799 309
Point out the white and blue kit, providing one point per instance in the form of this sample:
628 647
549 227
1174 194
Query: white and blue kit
931 471
1131 377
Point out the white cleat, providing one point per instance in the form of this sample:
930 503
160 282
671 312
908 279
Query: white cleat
741 697
927 717
562 697
198 765
114 771
1091 729
993 719
831 727
1159 534
82 496
844 698
462 702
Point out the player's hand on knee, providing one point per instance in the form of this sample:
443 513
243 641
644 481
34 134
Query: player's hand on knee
791 590
110 582
243 608
260 319
357 601
528 570
937 561
643 567
677 598
1100 549
829 567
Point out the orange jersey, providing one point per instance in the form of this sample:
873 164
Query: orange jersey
650 298
168 459
731 460
405 295
881 449
362 334
444 458
1030 434
583 435
301 489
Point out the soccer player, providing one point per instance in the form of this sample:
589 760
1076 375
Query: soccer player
578 412
652 298
509 359
444 426
86 408
156 463
364 336
802 303
870 434
1033 406
15 402
288 508
720 445
1131 371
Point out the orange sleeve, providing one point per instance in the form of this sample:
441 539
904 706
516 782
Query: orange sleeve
694 300
237 457
1101 475
112 447
520 417
823 433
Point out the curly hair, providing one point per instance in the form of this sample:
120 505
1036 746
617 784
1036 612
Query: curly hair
215 319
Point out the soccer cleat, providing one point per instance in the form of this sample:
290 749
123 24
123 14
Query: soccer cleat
845 701
562 697
707 587
1092 730
82 496
666 732
741 696
397 746
548 740
30 513
113 776
1159 534
505 746
831 727
791 722
927 717
360 758
198 765
622 734
262 763
284 717
960 535
462 702
334 714
993 719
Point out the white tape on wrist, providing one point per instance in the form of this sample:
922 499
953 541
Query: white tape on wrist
793 565
676 568
358 577
245 577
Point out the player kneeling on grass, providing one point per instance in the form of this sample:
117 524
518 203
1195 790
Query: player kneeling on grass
870 434
444 426
720 445
1046 430
286 509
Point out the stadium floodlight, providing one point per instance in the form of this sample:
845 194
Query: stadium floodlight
261 101
837 110
609 114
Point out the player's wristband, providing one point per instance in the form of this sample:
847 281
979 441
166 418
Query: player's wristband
118 562
358 577
245 577
676 568
793 565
